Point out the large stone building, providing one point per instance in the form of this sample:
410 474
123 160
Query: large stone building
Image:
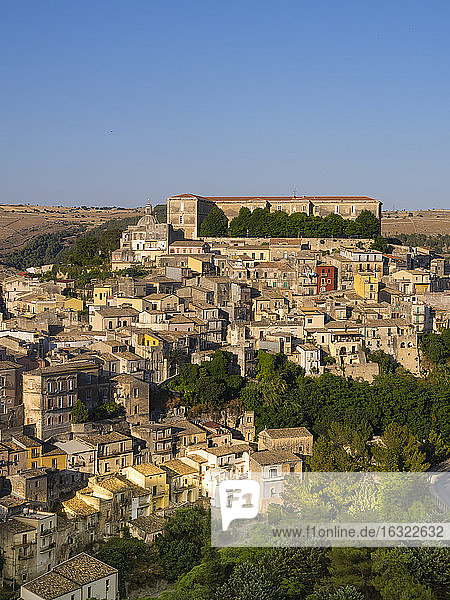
49 394
187 211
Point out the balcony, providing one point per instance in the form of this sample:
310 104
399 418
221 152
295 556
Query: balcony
48 546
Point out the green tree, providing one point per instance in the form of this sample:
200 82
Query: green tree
352 566
135 561
108 410
239 225
80 413
180 547
393 578
247 582
329 456
215 224
386 362
381 244
399 450
349 592
367 225
160 212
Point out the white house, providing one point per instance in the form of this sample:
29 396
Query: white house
78 578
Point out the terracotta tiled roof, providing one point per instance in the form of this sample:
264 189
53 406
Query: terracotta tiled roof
83 569
273 457
79 507
148 469
287 432
51 585
178 467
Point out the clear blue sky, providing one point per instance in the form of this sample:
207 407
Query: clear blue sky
105 102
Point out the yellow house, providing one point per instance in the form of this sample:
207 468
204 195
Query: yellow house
152 478
40 457
33 448
54 459
412 281
367 286
101 294
146 339
74 304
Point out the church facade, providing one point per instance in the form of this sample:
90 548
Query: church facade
144 242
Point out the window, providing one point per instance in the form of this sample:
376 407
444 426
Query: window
353 210
336 209
273 472
181 219
107 585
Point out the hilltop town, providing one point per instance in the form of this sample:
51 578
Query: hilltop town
129 396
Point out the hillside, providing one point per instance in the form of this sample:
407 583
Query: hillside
20 224
428 222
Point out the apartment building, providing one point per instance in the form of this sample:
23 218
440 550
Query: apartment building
28 542
269 468
49 394
113 451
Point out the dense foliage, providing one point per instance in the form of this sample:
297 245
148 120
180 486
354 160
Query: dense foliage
436 346
210 385
91 249
135 561
160 212
107 410
317 574
215 224
43 250
439 243
263 223
95 246
282 396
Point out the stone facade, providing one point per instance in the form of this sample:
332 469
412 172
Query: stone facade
187 211
143 242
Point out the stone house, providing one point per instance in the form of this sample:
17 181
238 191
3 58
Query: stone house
294 439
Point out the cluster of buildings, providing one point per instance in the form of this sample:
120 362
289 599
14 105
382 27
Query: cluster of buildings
67 483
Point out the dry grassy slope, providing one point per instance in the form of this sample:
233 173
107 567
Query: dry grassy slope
20 224
428 222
